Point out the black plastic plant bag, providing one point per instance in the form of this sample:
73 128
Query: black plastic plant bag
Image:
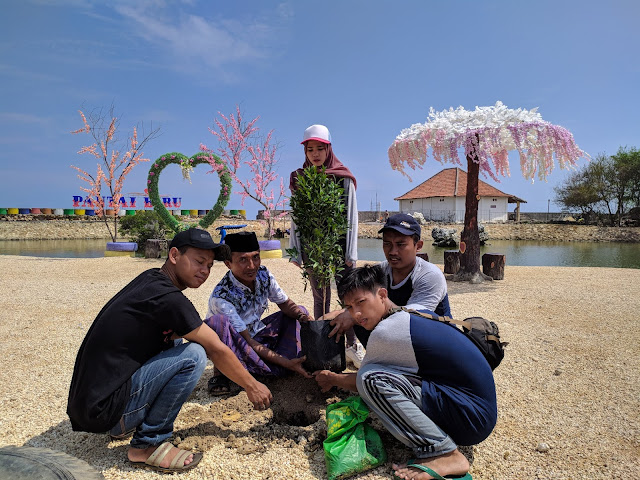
323 353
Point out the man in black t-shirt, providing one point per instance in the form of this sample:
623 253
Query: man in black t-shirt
133 371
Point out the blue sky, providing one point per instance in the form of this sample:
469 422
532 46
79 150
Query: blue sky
366 69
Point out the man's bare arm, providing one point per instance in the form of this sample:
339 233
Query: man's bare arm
226 361
294 364
292 310
327 379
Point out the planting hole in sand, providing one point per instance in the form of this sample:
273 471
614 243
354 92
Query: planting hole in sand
297 418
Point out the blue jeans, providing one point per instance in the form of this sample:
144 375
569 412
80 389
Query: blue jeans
158 390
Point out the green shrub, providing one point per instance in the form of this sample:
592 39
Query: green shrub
142 226
318 210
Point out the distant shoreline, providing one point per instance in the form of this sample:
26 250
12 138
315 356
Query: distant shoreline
25 228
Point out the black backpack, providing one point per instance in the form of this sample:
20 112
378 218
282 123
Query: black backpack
482 332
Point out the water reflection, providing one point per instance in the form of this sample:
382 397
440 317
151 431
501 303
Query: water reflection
54 248
518 252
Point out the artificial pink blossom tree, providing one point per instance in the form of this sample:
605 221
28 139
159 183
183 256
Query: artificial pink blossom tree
240 144
487 134
113 166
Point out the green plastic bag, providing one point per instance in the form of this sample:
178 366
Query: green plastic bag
352 446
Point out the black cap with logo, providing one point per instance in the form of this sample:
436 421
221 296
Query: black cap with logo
403 223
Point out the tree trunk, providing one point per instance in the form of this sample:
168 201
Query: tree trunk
493 265
451 261
470 237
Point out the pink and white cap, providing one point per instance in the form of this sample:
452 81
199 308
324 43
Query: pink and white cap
317 132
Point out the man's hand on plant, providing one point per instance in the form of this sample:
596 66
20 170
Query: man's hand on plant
341 322
295 365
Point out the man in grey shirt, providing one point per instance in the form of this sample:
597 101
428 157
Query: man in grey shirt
410 279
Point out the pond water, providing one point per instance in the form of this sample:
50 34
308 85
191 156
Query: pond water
534 253
518 252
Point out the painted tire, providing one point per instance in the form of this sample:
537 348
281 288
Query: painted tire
58 211
45 464
90 213
46 211
24 211
122 246
131 212
269 244
193 213
69 211
79 211
233 212
271 253
3 211
184 213
109 253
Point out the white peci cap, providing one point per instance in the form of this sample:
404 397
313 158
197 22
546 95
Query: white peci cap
317 132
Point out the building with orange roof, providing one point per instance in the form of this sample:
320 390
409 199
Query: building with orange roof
441 198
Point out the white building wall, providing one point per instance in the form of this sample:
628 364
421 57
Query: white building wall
451 209
493 209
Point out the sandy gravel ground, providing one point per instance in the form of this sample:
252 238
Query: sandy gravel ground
570 379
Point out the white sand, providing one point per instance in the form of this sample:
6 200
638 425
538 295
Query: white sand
570 378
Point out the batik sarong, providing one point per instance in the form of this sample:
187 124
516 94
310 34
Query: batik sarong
281 335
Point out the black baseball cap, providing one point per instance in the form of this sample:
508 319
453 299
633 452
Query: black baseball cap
194 237
402 223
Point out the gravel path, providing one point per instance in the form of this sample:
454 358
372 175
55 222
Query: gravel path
569 385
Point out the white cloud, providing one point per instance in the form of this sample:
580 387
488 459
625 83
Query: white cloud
22 118
213 42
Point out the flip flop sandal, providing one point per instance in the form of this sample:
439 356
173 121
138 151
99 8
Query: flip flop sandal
221 385
176 465
436 475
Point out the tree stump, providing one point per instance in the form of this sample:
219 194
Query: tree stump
451 261
424 256
155 248
493 265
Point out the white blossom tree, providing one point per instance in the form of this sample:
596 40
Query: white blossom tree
486 134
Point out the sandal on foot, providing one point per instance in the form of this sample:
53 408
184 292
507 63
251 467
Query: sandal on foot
436 475
221 385
176 465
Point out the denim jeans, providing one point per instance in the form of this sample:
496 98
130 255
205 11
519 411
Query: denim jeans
158 390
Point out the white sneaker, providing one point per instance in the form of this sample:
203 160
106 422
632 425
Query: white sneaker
355 354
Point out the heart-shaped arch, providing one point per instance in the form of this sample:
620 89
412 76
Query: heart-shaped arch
187 164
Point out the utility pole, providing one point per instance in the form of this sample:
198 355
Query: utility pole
548 205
